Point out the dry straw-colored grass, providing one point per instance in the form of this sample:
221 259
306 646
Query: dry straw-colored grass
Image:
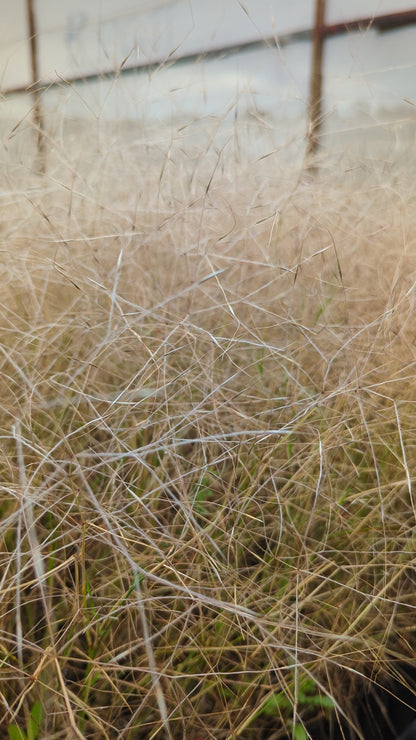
208 443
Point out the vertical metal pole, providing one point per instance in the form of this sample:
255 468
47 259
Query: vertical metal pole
37 103
315 100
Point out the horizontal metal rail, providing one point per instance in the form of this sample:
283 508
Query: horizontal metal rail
382 23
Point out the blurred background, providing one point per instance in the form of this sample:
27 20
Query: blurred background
155 66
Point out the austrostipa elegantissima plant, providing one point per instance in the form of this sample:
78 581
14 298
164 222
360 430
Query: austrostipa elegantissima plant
207 445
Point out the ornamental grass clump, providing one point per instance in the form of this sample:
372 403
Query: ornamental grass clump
207 446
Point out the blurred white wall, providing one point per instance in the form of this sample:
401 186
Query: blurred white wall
363 72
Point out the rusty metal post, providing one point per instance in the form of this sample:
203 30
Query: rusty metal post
36 92
315 100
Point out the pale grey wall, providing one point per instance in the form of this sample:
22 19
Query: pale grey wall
363 71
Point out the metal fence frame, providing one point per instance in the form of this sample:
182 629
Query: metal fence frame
318 34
